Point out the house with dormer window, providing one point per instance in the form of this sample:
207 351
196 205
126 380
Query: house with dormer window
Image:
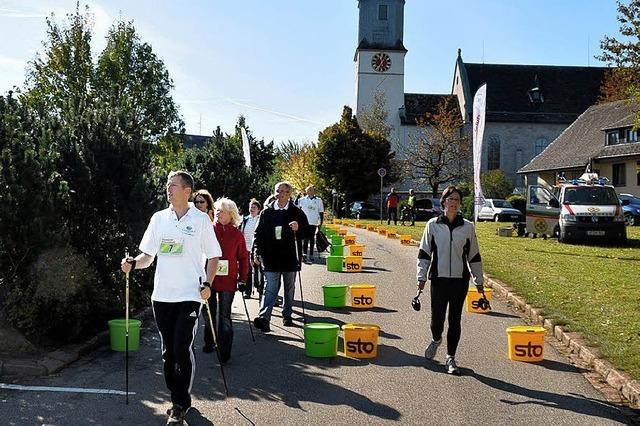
602 140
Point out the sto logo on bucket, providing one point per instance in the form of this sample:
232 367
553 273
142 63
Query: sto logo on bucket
529 350
360 347
363 300
476 304
351 266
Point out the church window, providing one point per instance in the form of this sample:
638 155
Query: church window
540 145
382 12
493 157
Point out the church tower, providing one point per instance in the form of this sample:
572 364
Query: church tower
380 56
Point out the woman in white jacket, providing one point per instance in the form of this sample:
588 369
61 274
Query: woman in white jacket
448 258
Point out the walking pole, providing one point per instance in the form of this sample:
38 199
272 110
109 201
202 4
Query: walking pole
215 342
126 331
248 319
295 242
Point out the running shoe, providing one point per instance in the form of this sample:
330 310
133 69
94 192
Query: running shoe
452 368
432 349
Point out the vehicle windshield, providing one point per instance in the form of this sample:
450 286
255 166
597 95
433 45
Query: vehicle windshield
502 203
632 199
590 195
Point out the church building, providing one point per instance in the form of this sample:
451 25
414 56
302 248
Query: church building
528 106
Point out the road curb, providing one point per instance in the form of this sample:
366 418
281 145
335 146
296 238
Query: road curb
54 361
618 380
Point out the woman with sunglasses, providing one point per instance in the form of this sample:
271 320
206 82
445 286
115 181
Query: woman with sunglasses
203 201
448 258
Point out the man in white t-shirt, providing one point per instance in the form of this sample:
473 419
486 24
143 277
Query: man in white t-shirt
182 238
314 210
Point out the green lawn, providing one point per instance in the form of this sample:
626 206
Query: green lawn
591 289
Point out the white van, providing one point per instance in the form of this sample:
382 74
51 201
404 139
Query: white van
576 210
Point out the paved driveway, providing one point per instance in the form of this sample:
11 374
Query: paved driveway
271 381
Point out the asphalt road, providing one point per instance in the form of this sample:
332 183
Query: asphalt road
271 381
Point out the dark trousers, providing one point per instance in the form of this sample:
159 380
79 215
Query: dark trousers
451 292
255 279
309 239
178 323
220 305
392 212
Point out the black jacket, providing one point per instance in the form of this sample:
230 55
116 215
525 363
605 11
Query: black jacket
279 255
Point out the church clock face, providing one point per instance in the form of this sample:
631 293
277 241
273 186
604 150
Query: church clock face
381 62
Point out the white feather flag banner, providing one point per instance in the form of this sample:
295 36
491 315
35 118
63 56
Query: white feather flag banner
245 148
479 108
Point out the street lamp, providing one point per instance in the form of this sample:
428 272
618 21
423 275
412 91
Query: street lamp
334 193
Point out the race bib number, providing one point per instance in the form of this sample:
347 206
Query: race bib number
171 247
223 268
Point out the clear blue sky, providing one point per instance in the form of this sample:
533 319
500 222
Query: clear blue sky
287 65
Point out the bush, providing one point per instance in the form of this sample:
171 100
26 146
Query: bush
58 301
518 202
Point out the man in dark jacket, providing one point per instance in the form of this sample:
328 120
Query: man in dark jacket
278 232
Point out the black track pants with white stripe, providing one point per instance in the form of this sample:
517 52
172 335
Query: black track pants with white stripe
178 324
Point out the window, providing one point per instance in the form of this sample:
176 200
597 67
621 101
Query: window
631 135
541 144
493 155
382 12
612 138
619 171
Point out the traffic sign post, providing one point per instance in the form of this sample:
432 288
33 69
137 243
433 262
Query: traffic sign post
381 172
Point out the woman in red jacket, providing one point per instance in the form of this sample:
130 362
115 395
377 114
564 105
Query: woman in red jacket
233 270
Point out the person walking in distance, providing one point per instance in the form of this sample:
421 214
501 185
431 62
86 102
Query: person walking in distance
180 236
392 206
231 275
248 227
276 245
448 258
411 203
314 210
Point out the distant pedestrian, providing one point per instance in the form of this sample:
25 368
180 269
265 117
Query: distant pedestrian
233 269
392 206
203 201
180 236
314 210
248 227
411 202
277 245
448 257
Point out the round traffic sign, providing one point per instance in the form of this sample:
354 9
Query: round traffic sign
382 172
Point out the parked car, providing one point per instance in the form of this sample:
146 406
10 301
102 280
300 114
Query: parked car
427 208
631 210
499 211
363 210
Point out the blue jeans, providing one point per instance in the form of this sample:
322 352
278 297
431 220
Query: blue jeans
272 281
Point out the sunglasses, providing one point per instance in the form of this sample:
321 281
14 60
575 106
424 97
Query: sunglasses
200 202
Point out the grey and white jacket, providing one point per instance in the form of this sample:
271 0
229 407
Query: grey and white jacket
449 250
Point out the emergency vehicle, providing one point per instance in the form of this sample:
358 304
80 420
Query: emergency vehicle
578 209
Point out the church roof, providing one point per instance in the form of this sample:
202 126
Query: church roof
584 139
416 105
566 91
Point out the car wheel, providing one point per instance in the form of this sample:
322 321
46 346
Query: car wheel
629 220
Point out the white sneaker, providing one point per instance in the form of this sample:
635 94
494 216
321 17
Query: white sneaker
452 368
431 350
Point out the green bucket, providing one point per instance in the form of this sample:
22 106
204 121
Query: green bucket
329 232
321 339
336 250
334 263
117 334
336 240
335 295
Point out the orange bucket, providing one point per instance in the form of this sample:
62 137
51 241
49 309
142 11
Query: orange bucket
405 240
363 296
472 300
526 343
361 340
